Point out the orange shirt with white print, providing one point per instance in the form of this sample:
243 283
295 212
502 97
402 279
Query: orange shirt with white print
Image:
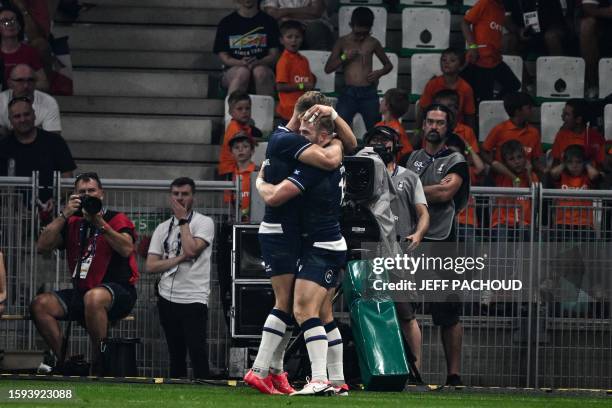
529 137
292 68
226 160
464 90
594 145
245 190
512 211
403 137
487 20
573 211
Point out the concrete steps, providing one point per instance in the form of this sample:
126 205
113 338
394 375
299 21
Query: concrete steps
155 59
160 84
147 170
172 4
142 105
134 152
131 37
136 129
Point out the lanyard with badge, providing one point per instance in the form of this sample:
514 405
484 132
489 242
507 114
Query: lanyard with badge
531 19
86 254
179 245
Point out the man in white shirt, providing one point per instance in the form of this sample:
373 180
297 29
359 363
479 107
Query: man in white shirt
180 249
21 83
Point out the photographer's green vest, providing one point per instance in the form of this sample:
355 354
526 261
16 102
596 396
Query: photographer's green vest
431 170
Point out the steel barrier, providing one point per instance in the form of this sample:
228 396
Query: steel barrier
529 340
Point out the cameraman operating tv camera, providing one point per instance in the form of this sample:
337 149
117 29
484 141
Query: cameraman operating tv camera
101 261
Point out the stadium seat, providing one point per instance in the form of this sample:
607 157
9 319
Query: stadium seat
325 82
262 112
425 30
390 80
469 3
605 77
379 30
423 3
422 67
259 155
490 114
361 2
550 121
559 78
608 121
359 127
515 63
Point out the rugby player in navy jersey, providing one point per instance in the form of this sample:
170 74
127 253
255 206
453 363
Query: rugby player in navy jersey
279 233
323 255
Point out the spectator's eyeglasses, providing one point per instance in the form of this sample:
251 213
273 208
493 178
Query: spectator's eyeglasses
8 22
23 80
19 99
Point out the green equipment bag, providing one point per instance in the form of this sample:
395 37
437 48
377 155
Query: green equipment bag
376 331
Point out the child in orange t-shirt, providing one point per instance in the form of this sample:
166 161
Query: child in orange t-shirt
574 217
293 75
576 131
482 29
393 106
242 147
451 63
240 110
512 216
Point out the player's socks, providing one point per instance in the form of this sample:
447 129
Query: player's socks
271 336
335 349
276 364
316 344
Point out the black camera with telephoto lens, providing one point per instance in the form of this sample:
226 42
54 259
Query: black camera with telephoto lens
92 205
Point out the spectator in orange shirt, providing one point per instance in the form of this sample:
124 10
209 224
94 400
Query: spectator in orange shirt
574 217
484 55
512 216
293 75
393 106
576 131
519 107
240 110
451 62
468 222
242 147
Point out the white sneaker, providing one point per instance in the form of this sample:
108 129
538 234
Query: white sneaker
316 387
44 369
341 390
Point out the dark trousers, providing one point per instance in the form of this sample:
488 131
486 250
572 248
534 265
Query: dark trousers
185 326
482 81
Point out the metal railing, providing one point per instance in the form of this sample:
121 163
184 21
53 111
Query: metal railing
528 340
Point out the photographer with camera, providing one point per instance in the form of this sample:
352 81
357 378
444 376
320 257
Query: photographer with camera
411 219
180 250
100 253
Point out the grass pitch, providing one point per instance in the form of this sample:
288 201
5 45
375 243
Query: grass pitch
107 395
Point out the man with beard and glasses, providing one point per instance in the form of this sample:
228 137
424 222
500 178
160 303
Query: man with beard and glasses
445 177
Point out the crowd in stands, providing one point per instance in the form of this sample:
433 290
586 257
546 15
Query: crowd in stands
510 155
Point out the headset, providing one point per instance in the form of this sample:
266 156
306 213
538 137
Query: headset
389 133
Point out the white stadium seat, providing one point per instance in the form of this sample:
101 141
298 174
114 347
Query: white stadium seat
423 3
550 120
423 67
490 114
259 155
359 127
605 77
560 77
515 63
608 121
379 29
469 3
262 112
316 59
390 80
362 2
425 29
